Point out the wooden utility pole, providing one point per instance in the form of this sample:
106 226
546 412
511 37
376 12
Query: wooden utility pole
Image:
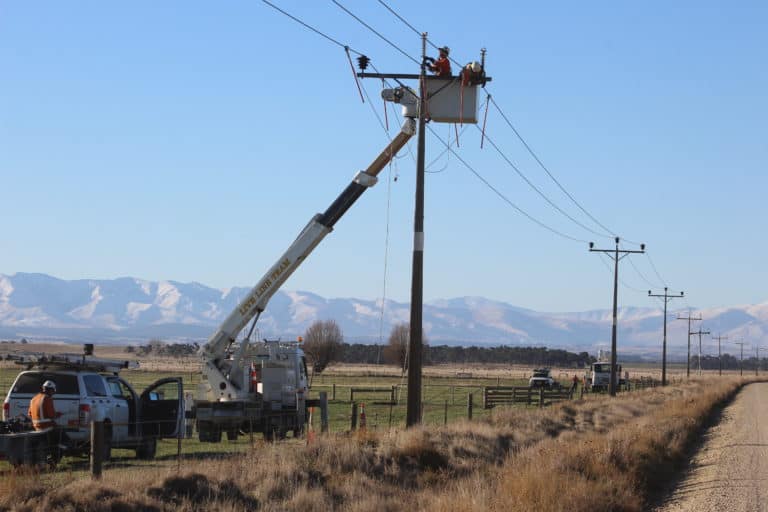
700 332
614 254
741 360
688 362
719 353
667 297
404 95
413 411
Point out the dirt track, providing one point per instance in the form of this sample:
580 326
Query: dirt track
730 471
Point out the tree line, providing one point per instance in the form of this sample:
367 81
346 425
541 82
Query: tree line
324 343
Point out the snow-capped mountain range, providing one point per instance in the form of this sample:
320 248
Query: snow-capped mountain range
128 310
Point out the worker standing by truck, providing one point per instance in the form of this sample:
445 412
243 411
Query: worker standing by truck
41 408
43 414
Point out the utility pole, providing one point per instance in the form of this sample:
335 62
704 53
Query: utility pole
719 353
614 254
688 362
741 361
667 298
449 113
413 412
758 358
700 332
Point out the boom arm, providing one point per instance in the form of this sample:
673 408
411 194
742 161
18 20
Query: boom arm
227 381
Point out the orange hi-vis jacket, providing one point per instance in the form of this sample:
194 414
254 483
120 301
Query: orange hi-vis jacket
442 67
41 411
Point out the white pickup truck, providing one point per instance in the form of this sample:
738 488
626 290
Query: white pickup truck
92 390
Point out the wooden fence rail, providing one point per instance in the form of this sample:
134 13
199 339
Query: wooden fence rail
506 395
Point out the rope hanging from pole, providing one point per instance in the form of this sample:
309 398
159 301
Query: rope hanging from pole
485 118
354 74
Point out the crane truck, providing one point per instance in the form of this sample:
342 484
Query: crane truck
263 386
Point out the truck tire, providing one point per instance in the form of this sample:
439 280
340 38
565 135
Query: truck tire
209 433
231 435
147 449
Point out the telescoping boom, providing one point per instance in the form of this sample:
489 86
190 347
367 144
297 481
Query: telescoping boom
226 376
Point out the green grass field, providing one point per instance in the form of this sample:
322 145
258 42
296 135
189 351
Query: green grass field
444 400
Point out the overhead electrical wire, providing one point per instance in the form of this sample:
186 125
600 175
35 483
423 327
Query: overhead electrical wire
393 45
538 191
604 258
310 27
502 196
447 145
544 167
519 136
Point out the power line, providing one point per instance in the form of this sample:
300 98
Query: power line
623 283
610 232
393 45
310 27
653 266
502 196
538 191
541 164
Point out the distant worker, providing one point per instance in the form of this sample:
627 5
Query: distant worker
441 66
575 383
41 408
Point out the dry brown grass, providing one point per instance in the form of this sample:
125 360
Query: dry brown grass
552 459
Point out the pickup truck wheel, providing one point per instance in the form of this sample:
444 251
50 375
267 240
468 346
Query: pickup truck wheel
231 435
269 434
147 449
209 434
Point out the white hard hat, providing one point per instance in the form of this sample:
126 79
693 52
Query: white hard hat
49 384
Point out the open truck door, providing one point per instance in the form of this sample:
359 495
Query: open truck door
162 409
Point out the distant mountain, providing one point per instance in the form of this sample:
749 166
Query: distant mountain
128 310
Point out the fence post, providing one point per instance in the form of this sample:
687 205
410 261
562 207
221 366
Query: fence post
485 397
333 392
392 393
390 414
469 406
97 448
354 416
445 413
541 396
351 394
324 412
453 388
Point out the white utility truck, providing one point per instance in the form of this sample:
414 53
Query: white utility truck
91 389
600 376
263 386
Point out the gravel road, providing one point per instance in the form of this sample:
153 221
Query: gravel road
730 471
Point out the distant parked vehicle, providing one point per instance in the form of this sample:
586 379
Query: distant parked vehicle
600 376
542 379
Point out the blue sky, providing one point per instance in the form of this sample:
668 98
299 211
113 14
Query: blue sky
193 140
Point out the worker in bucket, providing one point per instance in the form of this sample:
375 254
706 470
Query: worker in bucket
41 408
441 66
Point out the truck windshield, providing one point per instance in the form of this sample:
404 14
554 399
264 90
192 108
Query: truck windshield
32 382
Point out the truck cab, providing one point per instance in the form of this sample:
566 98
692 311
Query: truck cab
600 376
